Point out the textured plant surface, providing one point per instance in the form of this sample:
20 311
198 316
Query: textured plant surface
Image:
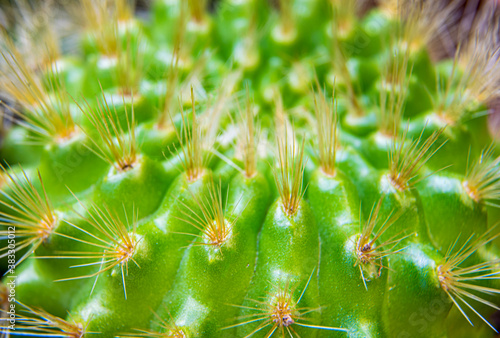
248 170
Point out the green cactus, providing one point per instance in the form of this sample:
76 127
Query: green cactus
249 169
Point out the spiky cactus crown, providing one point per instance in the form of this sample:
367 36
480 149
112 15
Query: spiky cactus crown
249 170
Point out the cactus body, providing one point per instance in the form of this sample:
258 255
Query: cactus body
252 170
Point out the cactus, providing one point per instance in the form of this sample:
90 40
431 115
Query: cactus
249 169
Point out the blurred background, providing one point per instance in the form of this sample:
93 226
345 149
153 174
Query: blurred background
443 45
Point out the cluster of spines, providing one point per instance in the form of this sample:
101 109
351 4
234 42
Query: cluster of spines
191 141
213 226
45 112
369 251
37 322
459 278
279 311
29 212
326 125
406 160
482 179
114 145
249 139
289 173
393 92
113 245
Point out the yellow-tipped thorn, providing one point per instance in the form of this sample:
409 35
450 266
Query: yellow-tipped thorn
406 160
326 126
482 179
394 88
369 253
280 312
114 246
461 283
31 219
211 218
32 322
248 139
46 111
114 145
191 146
289 174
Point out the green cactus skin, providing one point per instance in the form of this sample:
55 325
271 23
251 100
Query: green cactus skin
251 170
207 275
